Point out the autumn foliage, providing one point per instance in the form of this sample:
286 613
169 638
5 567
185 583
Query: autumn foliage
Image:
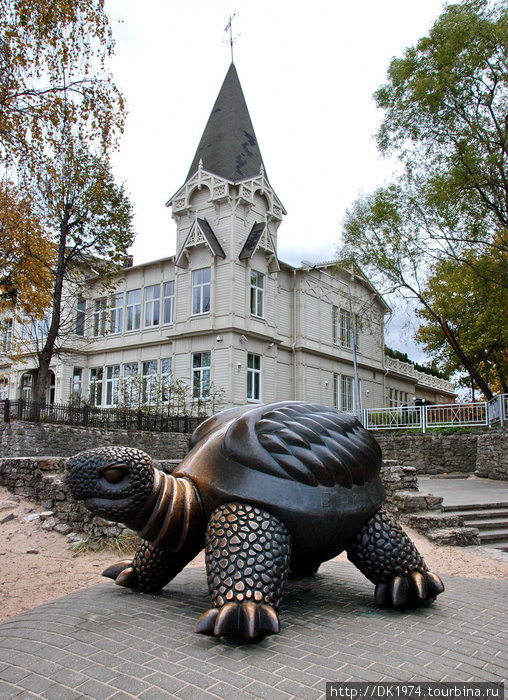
26 252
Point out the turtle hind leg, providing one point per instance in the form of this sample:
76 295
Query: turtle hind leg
247 562
387 557
151 568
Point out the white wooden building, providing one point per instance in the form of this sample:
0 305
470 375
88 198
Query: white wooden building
225 311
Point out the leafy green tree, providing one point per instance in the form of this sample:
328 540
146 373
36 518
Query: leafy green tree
445 106
476 316
90 218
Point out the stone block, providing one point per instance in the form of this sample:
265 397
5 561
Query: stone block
431 521
457 537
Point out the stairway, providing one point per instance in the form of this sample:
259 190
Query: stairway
491 519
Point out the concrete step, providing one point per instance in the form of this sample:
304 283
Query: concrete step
475 506
481 514
492 536
488 524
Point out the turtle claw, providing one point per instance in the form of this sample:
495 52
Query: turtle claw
122 573
418 588
248 621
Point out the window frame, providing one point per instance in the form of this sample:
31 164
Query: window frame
168 302
111 385
152 306
201 375
254 377
80 320
96 385
199 286
257 294
133 310
116 313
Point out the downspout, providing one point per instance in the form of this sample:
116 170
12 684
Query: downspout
293 345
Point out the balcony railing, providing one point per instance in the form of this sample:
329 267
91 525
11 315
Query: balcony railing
422 378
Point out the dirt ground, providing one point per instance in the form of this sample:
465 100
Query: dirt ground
36 565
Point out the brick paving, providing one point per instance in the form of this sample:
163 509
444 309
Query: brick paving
108 643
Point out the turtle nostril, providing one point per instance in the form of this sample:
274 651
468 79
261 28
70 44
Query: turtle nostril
114 475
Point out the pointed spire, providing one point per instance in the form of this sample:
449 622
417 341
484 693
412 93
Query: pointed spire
229 147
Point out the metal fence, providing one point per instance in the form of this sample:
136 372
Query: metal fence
457 415
421 418
95 417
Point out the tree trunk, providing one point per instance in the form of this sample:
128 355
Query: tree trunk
45 355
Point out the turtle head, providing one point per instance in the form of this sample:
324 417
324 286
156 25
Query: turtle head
113 482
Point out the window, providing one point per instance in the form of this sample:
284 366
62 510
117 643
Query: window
6 335
36 331
26 386
201 364
77 384
149 382
96 377
343 331
4 388
201 291
112 379
166 367
343 395
130 384
80 317
257 291
133 310
99 317
253 377
169 302
116 313
152 305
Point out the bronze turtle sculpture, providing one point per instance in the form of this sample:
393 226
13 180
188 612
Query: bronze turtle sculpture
269 491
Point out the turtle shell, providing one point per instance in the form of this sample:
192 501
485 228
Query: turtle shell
313 467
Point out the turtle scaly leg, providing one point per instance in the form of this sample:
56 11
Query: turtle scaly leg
387 557
247 562
151 568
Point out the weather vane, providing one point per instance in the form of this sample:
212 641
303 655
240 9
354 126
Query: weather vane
229 28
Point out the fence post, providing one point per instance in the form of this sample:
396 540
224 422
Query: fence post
7 410
423 410
140 419
86 411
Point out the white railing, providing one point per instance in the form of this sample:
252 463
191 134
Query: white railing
457 415
422 378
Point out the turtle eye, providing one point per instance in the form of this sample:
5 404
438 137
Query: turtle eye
114 475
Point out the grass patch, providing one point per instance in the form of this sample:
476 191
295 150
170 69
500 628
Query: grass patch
123 544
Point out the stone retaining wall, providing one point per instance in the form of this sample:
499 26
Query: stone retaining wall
492 456
23 439
483 453
42 480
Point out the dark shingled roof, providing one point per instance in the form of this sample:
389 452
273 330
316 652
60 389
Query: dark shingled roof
252 240
229 147
210 236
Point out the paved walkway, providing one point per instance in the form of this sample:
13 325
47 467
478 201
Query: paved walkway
473 491
105 642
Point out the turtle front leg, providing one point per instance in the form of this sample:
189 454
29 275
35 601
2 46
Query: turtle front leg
151 568
247 561
387 557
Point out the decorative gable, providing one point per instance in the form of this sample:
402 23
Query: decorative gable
201 233
260 237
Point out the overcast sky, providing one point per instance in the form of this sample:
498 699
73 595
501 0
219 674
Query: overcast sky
308 72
